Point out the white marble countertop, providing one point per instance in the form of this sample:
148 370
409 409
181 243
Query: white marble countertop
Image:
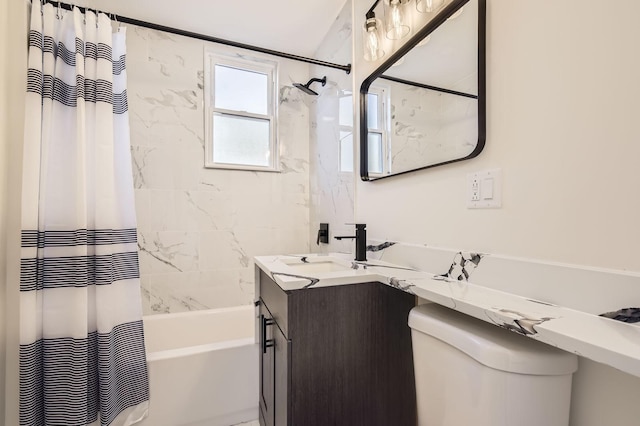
600 339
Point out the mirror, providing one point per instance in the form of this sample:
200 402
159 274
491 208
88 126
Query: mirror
425 106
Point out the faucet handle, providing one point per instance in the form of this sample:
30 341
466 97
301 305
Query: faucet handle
323 234
358 225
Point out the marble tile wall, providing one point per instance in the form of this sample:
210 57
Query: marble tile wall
200 228
332 184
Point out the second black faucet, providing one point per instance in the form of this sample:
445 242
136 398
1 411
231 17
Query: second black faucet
361 241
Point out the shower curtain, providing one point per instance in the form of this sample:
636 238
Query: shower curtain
82 355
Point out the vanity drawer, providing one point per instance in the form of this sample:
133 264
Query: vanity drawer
276 300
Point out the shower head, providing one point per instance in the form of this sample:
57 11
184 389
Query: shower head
305 87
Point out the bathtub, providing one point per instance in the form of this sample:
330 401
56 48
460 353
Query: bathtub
203 367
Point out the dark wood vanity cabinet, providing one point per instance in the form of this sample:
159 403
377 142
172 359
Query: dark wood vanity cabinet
274 371
336 355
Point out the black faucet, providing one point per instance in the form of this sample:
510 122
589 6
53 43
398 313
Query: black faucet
361 241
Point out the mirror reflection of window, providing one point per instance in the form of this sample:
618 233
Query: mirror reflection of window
375 153
378 125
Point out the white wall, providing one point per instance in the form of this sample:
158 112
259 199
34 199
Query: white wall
562 81
13 38
4 140
562 90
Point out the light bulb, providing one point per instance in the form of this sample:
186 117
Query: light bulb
371 39
428 6
396 15
372 44
396 27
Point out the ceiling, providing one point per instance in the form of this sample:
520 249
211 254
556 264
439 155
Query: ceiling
290 26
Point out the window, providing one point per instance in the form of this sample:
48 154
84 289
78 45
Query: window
240 105
378 127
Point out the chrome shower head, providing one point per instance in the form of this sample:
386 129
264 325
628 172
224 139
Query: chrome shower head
305 87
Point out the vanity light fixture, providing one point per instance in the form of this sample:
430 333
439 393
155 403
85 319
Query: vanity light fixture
396 26
429 6
396 23
372 37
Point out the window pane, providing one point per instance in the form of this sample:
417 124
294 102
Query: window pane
375 152
372 111
241 90
346 111
241 140
346 152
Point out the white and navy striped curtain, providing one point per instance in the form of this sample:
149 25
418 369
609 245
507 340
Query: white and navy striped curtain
82 355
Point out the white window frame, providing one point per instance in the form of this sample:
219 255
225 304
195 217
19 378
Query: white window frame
263 66
383 127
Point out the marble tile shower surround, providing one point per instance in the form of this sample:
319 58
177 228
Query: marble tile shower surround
200 228
332 190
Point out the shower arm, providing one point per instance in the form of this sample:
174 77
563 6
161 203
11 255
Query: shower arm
319 80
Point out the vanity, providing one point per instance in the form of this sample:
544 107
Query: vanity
334 354
336 347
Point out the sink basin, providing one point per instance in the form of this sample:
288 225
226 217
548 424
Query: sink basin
318 266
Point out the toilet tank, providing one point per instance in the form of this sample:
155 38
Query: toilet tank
471 373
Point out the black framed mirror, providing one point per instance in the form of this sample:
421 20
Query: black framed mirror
425 106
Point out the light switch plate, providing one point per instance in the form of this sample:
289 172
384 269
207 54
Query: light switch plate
484 189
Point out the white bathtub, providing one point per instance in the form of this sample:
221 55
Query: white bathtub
203 367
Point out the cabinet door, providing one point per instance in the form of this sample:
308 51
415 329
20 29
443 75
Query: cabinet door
267 366
282 354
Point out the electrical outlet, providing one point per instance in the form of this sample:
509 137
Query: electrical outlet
475 189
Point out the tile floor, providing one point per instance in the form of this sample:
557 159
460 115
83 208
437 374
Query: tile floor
251 423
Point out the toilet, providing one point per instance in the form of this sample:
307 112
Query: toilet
472 373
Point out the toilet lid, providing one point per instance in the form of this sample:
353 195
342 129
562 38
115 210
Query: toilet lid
489 344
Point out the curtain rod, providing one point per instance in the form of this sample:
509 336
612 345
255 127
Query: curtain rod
177 31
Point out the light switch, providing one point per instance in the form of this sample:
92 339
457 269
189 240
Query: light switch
484 189
487 189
